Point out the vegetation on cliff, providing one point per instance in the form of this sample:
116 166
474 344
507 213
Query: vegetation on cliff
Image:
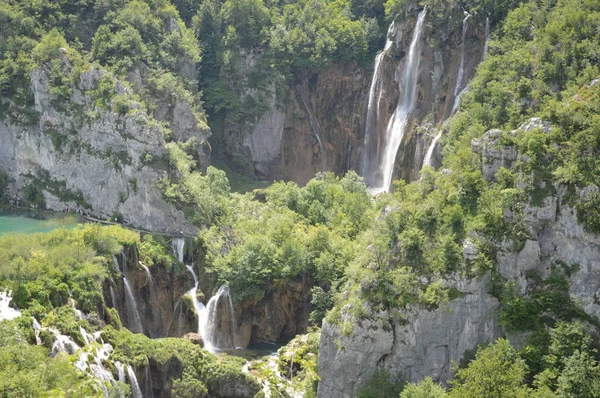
361 255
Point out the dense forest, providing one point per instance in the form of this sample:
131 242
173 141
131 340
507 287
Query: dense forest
533 103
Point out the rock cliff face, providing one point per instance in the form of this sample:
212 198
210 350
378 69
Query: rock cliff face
279 316
315 126
427 341
98 159
318 124
165 309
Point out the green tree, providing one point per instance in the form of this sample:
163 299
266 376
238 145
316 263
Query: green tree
496 372
426 388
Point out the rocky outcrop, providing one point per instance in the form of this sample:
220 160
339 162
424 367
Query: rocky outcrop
425 342
313 126
101 159
279 316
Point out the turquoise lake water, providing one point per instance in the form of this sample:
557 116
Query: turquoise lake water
31 222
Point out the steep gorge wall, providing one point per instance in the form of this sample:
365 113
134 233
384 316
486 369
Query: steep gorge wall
80 156
425 341
282 143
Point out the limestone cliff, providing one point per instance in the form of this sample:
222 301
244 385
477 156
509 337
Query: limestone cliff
424 342
87 153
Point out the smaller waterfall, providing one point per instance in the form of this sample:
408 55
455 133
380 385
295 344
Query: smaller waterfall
113 297
487 39
461 70
429 154
198 306
6 312
135 387
63 344
458 91
116 263
178 245
36 327
219 321
148 382
124 260
314 125
78 313
153 296
120 371
133 315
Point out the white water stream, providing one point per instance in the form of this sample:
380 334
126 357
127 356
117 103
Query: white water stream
379 164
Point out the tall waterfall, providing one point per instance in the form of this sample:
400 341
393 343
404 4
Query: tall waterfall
133 315
458 86
379 174
370 162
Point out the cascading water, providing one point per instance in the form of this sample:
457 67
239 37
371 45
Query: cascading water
113 297
178 245
148 382
218 321
133 315
63 344
458 87
372 134
78 313
135 387
116 263
120 371
36 328
458 91
198 306
6 312
429 154
379 174
153 297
